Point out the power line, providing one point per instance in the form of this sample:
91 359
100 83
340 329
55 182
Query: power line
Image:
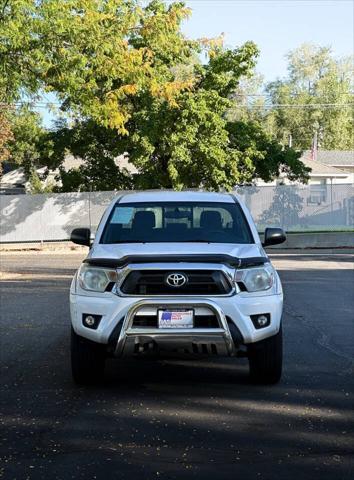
240 95
278 3
298 106
30 104
257 4
264 95
46 105
267 1
282 2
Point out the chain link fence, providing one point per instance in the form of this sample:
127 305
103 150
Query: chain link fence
305 208
51 217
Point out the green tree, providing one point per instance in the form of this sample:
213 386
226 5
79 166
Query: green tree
6 136
38 185
189 143
316 79
28 143
133 83
97 146
195 143
96 55
182 146
20 51
261 156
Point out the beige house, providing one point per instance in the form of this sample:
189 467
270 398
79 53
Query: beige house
341 159
327 172
16 182
331 167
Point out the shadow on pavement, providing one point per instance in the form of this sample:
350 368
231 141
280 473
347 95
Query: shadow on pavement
177 419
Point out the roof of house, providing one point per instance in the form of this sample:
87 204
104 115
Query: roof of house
18 177
72 162
334 158
319 169
122 161
14 177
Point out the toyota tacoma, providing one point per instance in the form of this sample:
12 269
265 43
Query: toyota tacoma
176 273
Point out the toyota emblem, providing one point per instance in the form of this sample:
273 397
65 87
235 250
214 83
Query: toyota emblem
176 279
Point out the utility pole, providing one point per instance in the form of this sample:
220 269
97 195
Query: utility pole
314 146
89 204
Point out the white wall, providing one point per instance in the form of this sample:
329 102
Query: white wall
26 218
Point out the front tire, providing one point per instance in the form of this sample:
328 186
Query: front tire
87 360
266 359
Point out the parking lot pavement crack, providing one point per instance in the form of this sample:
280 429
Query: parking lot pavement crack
323 340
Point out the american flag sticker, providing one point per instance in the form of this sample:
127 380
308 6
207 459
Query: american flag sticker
176 319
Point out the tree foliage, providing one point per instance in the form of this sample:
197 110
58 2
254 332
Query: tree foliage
323 84
190 143
262 156
37 185
96 55
6 136
28 144
133 83
20 52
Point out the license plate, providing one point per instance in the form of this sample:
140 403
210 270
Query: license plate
176 318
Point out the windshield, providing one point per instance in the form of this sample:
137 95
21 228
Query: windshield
177 222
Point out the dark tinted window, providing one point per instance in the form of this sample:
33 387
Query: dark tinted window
177 222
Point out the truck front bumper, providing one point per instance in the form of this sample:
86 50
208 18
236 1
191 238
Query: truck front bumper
180 340
233 315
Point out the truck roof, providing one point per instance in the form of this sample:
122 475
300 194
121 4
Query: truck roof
171 196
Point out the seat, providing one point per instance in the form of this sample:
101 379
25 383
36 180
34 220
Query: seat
144 221
211 220
176 227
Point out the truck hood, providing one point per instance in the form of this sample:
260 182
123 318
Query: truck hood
116 251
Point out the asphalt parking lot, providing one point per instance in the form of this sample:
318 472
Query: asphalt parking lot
177 419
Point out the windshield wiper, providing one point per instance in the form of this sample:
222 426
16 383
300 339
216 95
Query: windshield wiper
194 240
131 241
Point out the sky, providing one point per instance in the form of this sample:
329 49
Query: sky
276 26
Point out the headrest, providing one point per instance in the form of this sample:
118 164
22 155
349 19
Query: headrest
211 219
144 220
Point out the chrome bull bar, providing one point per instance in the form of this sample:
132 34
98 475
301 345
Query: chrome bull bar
176 338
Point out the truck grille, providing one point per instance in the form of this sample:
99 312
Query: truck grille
153 282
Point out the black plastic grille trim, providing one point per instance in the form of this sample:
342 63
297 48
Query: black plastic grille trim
153 282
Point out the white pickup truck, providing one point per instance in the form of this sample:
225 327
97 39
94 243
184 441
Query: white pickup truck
181 273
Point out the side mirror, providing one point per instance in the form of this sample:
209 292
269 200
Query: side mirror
81 236
273 236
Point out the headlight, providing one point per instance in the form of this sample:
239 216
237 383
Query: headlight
96 279
256 279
